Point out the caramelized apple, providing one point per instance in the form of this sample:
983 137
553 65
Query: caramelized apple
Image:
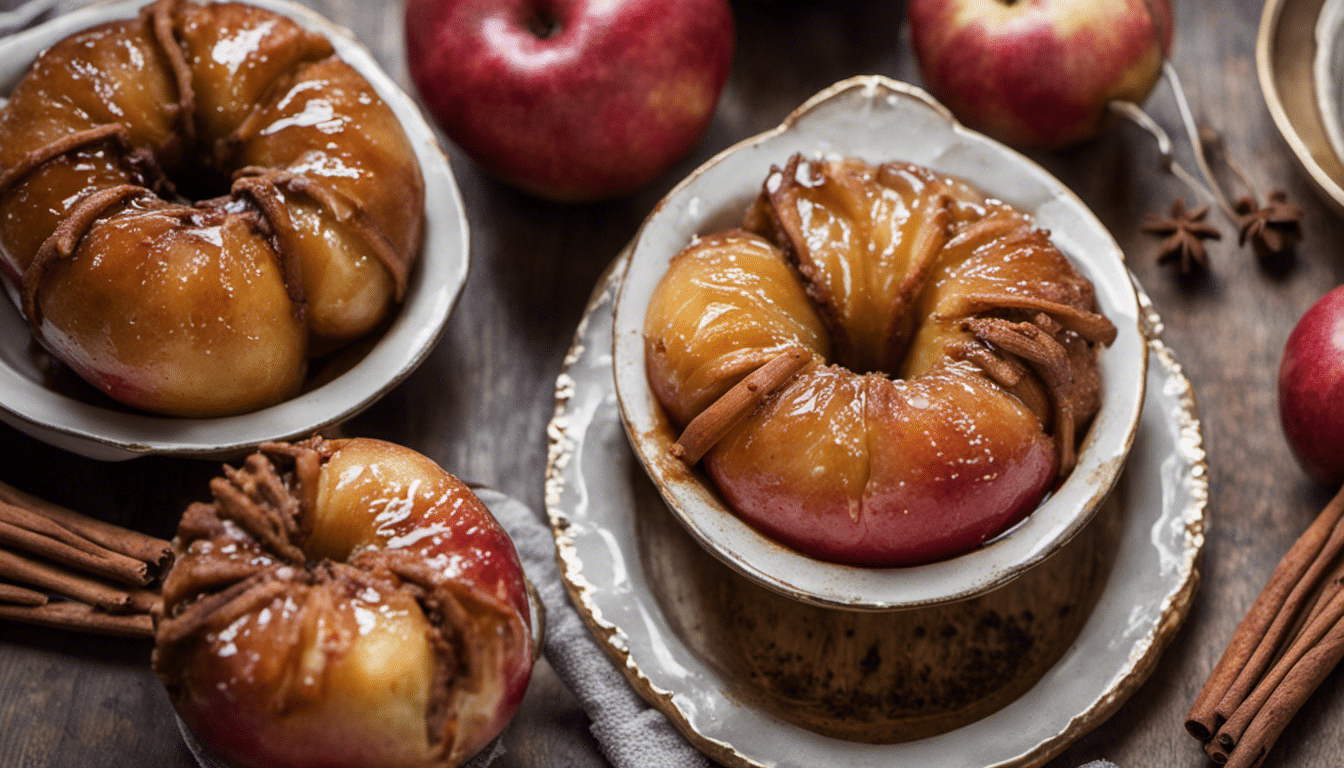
343 603
307 210
952 363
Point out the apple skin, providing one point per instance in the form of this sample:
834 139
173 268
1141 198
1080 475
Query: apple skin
334 670
1311 389
1038 74
872 471
571 100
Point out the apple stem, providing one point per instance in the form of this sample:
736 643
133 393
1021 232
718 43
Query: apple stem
1192 131
1135 114
1212 140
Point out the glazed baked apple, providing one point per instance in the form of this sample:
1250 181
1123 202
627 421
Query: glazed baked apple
343 603
882 367
195 201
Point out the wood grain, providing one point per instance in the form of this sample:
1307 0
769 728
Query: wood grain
480 403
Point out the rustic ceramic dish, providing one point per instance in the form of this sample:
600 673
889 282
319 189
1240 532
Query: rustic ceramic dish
1286 56
753 678
877 119
29 401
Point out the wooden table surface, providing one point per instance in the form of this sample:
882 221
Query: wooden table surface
480 404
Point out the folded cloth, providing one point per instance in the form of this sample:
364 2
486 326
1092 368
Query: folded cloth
630 733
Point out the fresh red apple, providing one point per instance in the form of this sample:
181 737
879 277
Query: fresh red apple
1311 389
571 100
1039 73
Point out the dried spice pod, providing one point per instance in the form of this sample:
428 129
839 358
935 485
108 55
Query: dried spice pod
1272 229
1183 233
343 603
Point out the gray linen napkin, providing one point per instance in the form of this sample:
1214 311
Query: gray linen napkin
631 733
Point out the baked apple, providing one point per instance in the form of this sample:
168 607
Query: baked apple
343 603
195 201
907 365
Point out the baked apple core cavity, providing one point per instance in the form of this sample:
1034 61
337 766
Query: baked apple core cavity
542 22
196 181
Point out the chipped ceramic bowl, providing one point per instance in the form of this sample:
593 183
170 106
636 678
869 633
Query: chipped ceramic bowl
877 119
30 403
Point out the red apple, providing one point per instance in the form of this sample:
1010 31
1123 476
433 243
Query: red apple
1311 389
1039 73
571 99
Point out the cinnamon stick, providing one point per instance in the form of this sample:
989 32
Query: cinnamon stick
1277 632
713 423
13 594
80 617
33 533
27 570
68 550
140 546
1092 326
1302 679
1334 581
1204 719
1311 635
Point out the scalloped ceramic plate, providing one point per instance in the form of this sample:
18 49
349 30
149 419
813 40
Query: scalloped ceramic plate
599 503
30 403
878 119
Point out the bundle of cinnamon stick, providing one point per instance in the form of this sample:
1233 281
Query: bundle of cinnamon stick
1289 640
63 569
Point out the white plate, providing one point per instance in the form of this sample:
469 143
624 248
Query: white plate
877 119
595 504
29 404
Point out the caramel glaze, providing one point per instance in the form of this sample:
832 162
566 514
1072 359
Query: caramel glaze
343 603
214 306
953 362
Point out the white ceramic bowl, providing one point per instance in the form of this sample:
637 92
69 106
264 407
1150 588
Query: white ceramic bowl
877 119
29 403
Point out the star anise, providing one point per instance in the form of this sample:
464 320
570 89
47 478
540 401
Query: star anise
1184 231
1272 229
